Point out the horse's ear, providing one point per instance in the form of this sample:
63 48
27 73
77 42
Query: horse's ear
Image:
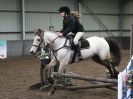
34 31
41 30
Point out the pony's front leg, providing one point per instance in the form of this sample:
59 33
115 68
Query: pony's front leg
63 63
52 64
46 78
60 71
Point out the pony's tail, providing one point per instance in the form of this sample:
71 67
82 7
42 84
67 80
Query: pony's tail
115 51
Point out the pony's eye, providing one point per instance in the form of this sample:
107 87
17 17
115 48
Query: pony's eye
39 40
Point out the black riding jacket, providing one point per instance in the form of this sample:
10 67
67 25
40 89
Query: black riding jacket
71 24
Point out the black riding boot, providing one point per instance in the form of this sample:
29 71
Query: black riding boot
79 52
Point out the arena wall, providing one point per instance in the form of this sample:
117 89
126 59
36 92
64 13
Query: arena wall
117 17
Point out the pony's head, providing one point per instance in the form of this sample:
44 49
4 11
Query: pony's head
38 41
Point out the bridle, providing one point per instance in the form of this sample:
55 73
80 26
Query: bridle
50 44
40 40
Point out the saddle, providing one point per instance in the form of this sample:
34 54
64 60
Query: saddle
83 43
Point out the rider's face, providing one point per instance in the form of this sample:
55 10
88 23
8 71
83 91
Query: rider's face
62 14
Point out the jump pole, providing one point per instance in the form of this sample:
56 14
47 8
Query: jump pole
86 78
102 85
96 85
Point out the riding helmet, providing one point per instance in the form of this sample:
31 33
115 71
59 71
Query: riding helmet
64 9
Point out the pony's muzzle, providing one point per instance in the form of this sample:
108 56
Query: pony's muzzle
32 52
38 49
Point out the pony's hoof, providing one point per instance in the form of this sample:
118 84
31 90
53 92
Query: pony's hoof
45 87
51 93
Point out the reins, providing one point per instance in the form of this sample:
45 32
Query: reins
53 51
51 44
62 46
54 39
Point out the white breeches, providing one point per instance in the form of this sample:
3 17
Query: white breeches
77 37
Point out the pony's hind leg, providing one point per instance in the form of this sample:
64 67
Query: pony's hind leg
111 68
106 61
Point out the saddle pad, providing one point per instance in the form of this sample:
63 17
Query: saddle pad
83 43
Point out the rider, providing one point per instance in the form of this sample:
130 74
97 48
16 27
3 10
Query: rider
71 24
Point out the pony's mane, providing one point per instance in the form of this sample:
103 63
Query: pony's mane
51 32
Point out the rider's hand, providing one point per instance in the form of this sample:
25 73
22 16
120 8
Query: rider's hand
60 34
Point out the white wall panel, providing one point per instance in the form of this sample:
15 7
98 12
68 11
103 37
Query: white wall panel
10 36
9 4
38 18
57 21
111 22
101 34
128 20
128 8
106 9
48 5
89 23
43 20
35 20
101 6
29 36
9 21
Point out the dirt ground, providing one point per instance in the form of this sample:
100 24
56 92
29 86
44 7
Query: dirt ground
17 74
